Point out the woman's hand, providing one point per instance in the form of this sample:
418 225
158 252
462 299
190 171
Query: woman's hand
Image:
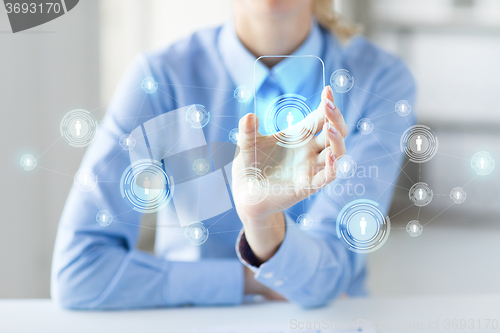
269 178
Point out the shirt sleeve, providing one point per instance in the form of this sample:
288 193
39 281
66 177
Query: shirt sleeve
97 267
313 267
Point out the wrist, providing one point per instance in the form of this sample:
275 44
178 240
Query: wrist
265 236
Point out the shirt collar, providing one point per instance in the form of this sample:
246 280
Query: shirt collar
290 73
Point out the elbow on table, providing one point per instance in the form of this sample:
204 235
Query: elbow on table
71 295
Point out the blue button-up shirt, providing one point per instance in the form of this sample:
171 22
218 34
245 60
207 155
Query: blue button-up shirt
101 268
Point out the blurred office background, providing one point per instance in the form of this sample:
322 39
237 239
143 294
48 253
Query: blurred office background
76 61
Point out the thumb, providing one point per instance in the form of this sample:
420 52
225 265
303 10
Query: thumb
248 130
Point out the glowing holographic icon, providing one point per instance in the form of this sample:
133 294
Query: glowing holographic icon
149 85
420 194
85 180
147 186
342 81
196 233
346 167
79 128
104 218
304 222
28 162
482 163
256 186
403 108
458 195
242 94
362 226
285 120
419 144
414 228
365 126
197 116
234 135
127 142
200 166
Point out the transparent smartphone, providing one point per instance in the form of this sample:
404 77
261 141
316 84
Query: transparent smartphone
285 98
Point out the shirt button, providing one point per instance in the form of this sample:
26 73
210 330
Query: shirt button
278 283
268 275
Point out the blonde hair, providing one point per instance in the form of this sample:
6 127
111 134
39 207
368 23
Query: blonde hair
326 16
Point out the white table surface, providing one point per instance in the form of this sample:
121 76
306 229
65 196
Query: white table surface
45 316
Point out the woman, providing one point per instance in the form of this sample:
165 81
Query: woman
100 268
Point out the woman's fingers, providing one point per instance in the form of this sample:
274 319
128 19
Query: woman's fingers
332 112
334 140
328 173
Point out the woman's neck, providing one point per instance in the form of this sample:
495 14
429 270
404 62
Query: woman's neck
272 35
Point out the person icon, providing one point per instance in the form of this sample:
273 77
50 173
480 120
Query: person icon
198 116
250 185
127 142
483 163
457 195
402 108
28 162
418 142
85 180
365 126
341 79
345 165
362 225
289 119
414 228
197 233
103 218
146 184
78 128
420 194
149 85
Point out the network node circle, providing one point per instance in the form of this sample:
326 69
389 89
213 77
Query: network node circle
127 142
420 194
200 166
365 126
341 81
254 186
419 143
28 162
85 180
234 135
482 163
104 218
304 222
284 119
414 228
196 233
242 94
149 85
362 226
403 108
79 128
458 195
147 186
197 116
346 167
